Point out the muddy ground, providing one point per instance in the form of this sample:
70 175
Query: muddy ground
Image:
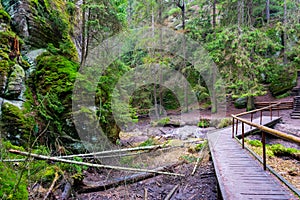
201 185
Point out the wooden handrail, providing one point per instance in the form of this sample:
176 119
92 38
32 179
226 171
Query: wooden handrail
270 130
260 109
261 127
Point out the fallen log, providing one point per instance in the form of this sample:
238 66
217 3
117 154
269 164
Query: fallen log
199 158
56 159
154 147
119 181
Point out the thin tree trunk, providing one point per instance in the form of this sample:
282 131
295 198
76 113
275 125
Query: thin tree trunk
250 12
214 13
161 47
83 34
285 34
56 159
268 11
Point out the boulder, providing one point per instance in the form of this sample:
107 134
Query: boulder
241 103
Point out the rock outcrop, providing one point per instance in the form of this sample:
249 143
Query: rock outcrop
33 22
15 84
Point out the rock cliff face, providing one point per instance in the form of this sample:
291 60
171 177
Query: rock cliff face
35 21
38 66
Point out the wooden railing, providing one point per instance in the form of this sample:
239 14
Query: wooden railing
282 106
237 118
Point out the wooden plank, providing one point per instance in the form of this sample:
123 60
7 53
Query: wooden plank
238 174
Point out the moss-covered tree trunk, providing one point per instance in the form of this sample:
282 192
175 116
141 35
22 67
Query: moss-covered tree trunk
250 103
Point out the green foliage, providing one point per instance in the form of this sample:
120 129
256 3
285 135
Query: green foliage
283 80
174 11
188 158
71 8
255 143
273 150
160 122
4 16
280 150
283 95
149 142
15 124
53 83
73 168
242 59
203 123
224 122
200 146
9 189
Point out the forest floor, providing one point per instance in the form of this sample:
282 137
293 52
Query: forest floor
201 185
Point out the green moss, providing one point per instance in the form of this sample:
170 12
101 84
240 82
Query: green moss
160 122
280 150
5 38
188 158
15 124
204 123
8 184
5 66
4 16
148 142
255 143
224 123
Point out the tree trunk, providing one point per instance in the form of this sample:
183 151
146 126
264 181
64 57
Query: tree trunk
268 11
284 34
214 14
250 12
250 103
83 34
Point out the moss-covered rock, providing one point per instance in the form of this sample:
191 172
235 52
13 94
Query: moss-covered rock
16 126
15 84
4 72
39 22
240 103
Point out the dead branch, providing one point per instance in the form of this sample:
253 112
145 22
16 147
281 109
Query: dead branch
145 194
56 159
169 196
119 181
199 158
116 151
52 185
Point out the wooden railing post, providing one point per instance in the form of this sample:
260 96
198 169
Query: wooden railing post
251 120
261 117
271 113
237 125
243 135
233 127
263 141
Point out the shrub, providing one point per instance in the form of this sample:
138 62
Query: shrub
224 123
204 123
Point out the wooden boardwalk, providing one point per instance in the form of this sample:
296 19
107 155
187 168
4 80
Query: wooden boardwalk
240 176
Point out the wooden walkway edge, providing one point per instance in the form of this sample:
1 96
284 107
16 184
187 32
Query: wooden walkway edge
240 176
